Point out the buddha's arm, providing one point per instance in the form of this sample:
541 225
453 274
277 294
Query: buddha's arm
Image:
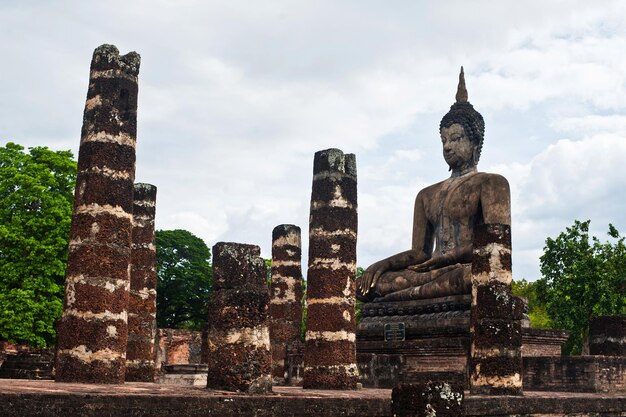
421 250
495 199
461 254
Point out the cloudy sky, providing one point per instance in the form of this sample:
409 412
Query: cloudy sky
235 97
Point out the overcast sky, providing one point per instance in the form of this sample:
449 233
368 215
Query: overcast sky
235 97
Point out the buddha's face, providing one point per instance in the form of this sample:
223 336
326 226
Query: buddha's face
458 149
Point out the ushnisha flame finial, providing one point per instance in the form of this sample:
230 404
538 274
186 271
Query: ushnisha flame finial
461 92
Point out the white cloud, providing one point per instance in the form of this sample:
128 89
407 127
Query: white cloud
570 180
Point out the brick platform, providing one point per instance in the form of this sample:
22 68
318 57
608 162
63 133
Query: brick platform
46 398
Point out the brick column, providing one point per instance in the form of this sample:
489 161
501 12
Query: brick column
92 332
286 296
607 336
238 341
330 354
496 316
142 325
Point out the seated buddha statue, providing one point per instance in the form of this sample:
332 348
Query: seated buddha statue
445 214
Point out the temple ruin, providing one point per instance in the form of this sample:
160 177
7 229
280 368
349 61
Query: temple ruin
440 332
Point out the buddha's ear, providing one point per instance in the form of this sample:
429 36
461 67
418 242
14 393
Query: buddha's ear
475 155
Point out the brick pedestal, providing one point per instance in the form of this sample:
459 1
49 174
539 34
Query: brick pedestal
92 332
495 322
286 297
142 325
238 343
330 354
607 336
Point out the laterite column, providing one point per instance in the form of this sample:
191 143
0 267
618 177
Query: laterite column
92 332
142 325
330 354
238 342
496 316
607 336
285 296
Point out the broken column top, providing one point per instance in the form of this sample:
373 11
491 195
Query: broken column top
334 160
284 230
107 57
237 266
145 191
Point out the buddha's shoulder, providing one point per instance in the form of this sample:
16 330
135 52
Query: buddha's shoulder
489 179
478 179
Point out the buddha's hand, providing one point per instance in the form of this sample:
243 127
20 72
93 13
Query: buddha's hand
424 266
370 276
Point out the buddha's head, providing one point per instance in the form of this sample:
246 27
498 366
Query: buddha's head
462 131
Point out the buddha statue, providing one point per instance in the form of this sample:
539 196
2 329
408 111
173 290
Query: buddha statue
445 214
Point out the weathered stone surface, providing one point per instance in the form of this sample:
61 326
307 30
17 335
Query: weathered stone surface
238 343
585 373
47 399
187 374
92 333
142 327
330 353
28 364
491 258
495 323
286 298
607 336
237 266
177 347
427 399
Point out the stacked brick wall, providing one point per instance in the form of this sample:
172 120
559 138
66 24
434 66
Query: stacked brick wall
541 342
575 373
177 347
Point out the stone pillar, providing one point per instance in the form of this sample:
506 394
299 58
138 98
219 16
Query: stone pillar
92 332
496 316
142 327
607 336
286 296
238 341
330 354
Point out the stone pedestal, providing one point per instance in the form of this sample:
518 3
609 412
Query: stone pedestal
607 336
92 332
495 323
330 354
238 343
286 297
427 399
142 327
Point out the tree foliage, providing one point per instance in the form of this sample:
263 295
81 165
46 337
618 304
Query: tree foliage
185 279
583 279
537 313
36 196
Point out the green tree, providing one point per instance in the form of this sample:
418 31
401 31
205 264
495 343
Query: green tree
357 306
536 307
185 279
583 279
36 196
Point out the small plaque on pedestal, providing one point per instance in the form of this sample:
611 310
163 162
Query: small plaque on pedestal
394 332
